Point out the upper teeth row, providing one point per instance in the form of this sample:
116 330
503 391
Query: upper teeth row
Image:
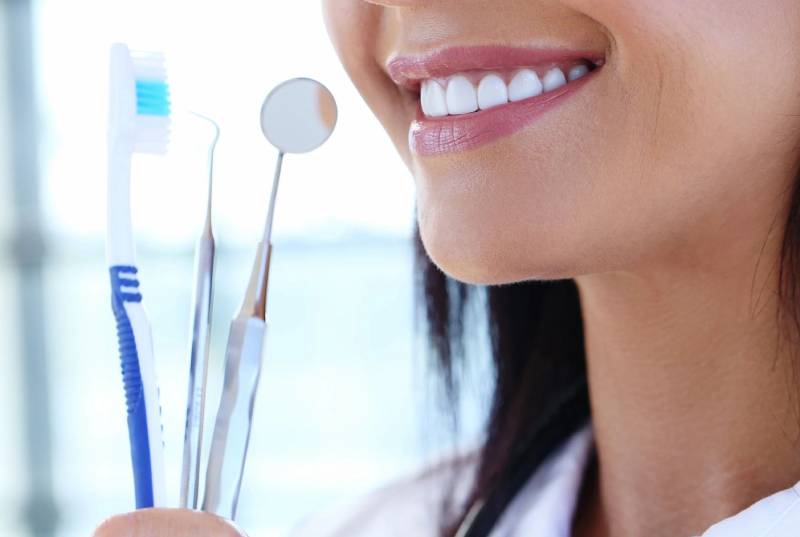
461 96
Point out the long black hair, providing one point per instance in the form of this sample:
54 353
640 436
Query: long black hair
538 359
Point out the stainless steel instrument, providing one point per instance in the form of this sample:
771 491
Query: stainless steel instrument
296 117
242 371
201 329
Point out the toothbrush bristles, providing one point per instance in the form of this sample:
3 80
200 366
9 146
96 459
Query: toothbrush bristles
153 105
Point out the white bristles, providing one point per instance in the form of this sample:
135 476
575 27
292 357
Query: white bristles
149 71
152 134
149 65
152 131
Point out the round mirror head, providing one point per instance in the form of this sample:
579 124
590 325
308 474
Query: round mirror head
298 115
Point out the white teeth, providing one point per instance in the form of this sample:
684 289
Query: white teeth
433 99
457 95
492 91
524 84
461 96
577 72
554 79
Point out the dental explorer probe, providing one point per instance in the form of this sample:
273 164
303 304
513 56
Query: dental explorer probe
201 328
242 370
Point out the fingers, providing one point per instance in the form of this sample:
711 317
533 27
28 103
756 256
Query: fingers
167 523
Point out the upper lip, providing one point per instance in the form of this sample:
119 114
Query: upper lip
408 71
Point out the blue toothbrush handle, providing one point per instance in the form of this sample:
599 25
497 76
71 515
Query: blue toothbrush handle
125 289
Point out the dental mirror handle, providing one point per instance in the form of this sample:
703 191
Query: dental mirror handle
243 359
234 421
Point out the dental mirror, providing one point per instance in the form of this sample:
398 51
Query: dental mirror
298 115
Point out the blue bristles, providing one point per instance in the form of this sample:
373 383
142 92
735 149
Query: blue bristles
152 98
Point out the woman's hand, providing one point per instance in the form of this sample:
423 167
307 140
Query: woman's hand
167 523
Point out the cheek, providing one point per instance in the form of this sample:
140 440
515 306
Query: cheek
706 77
690 128
713 92
352 27
357 30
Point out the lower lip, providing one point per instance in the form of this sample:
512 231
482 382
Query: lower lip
453 134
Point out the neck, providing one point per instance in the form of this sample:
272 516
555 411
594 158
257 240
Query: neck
691 389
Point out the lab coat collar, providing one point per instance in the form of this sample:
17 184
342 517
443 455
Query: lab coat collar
547 503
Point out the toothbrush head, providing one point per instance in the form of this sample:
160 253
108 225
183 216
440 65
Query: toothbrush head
140 105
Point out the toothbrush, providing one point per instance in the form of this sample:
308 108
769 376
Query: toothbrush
139 118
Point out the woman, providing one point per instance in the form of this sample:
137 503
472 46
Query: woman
631 166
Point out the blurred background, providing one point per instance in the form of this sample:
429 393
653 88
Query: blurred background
344 403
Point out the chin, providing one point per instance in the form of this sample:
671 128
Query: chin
479 255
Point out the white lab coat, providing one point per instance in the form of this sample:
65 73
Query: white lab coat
544 508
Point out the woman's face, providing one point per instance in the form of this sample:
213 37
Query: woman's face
680 140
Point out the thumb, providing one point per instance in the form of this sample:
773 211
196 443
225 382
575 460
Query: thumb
167 523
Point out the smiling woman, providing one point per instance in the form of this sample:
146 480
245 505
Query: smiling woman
620 176
606 159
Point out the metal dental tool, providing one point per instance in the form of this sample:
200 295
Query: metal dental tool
297 117
201 327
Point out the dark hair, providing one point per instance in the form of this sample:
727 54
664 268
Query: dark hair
538 356
536 335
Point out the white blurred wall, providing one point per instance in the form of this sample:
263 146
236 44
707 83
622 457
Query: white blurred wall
223 58
336 410
339 410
